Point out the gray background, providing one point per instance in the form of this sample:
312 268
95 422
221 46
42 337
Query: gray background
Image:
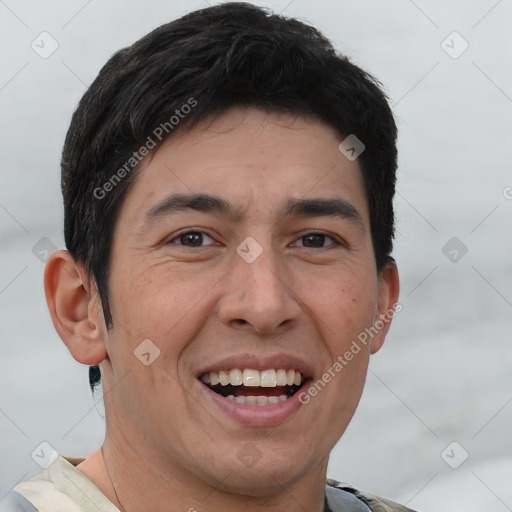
444 373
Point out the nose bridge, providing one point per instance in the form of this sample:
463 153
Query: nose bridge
258 293
262 275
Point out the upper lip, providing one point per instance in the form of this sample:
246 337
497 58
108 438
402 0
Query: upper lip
254 362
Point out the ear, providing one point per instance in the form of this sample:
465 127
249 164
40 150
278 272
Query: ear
75 308
389 288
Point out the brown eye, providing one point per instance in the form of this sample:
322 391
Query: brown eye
314 241
191 239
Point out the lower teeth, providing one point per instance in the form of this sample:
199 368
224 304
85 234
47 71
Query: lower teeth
257 400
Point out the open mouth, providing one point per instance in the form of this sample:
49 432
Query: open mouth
254 387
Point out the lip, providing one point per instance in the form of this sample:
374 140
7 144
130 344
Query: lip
245 361
270 415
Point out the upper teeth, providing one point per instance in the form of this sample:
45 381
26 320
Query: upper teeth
248 377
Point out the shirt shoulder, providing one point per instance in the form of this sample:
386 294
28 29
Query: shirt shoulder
372 502
61 487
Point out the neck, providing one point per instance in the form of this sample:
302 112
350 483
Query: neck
132 480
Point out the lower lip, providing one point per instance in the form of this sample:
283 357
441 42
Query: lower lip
269 415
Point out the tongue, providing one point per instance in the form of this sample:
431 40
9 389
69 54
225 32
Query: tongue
258 391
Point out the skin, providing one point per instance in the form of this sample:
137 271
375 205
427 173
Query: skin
303 297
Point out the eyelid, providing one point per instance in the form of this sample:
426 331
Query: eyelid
336 239
178 234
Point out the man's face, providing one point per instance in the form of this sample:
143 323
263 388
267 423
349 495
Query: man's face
261 261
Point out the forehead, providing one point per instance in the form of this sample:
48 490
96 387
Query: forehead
257 160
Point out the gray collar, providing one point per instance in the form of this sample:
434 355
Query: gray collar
338 500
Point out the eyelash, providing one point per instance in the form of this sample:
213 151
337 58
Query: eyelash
190 231
309 233
334 242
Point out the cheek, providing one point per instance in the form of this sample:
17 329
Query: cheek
165 306
343 301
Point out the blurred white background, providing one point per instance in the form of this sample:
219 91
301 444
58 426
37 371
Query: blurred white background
444 375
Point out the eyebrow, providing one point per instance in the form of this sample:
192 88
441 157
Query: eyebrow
332 207
206 203
199 202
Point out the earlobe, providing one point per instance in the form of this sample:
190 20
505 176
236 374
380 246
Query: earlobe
389 289
75 310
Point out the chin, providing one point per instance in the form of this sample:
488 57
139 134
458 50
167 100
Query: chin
259 484
267 473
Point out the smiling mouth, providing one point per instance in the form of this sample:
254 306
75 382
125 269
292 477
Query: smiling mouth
253 387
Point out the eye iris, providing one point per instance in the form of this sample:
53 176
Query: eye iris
314 240
191 239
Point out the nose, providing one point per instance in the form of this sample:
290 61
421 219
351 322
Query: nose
259 296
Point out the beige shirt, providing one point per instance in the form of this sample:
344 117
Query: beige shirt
63 488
